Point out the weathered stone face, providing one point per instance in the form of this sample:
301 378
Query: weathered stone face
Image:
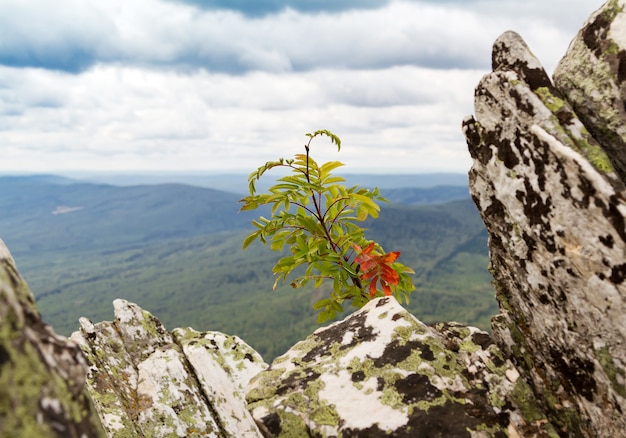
592 76
381 372
42 375
146 382
555 212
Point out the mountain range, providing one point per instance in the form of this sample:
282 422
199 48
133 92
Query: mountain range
175 249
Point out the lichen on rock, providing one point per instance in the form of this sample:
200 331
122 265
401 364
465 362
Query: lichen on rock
381 372
591 76
543 181
147 382
42 374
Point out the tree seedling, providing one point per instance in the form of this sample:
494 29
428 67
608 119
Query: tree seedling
316 217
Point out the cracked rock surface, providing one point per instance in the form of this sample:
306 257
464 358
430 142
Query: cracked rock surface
547 178
42 374
381 372
148 382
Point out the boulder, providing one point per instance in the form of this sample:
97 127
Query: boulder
381 372
547 179
42 374
146 381
592 78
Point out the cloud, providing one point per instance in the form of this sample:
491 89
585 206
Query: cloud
152 84
74 35
259 8
125 118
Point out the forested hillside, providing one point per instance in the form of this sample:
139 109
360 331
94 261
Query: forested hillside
176 251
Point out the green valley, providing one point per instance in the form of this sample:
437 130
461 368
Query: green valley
175 250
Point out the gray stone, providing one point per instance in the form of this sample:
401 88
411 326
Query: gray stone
42 374
381 372
592 77
147 382
555 211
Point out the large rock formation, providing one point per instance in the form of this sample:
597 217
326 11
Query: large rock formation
148 382
42 375
548 181
381 372
592 78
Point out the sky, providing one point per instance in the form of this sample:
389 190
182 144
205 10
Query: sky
226 85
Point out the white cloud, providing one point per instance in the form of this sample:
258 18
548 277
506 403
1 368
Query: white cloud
384 80
76 34
129 117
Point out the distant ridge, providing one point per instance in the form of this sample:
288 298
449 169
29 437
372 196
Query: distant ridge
35 179
238 182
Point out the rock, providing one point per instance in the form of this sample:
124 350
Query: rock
42 374
549 191
381 372
592 77
148 382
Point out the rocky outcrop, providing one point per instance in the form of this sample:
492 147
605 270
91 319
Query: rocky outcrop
381 372
148 382
42 375
592 77
548 180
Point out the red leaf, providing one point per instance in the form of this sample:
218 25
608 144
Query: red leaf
373 287
391 257
386 289
376 268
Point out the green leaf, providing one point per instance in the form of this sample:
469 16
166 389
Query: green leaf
250 238
318 281
323 316
336 305
328 167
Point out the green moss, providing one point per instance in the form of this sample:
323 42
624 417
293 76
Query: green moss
606 360
424 405
24 379
390 395
491 366
412 362
21 381
611 9
596 156
611 50
461 331
325 415
501 295
265 389
125 432
469 346
518 347
404 333
553 103
525 400
291 425
516 230
593 152
496 400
